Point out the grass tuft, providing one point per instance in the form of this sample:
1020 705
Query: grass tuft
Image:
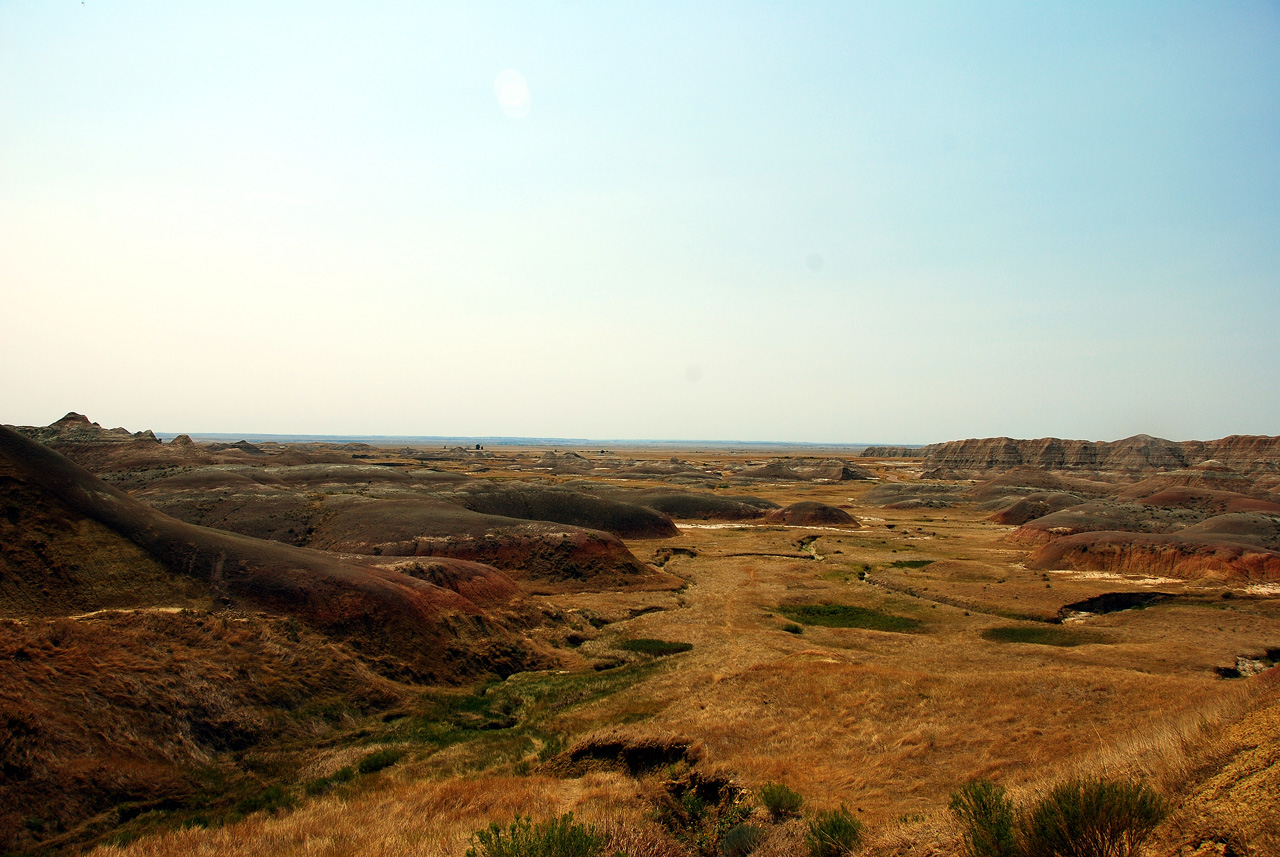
833 834
781 800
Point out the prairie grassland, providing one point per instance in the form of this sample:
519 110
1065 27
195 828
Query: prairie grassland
401 816
885 723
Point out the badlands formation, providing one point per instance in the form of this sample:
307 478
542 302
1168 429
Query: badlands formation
302 648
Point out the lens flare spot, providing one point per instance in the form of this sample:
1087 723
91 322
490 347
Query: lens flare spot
513 93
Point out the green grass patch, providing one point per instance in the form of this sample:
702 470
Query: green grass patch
847 616
651 646
1042 635
911 563
510 719
380 759
272 799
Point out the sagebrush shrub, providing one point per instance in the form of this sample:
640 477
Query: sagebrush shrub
741 840
833 834
1086 817
556 837
988 818
780 800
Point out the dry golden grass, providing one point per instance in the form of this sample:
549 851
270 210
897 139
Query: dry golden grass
888 724
420 818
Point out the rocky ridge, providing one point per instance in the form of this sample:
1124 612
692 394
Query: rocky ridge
1137 454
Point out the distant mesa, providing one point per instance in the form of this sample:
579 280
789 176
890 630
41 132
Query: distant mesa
812 513
893 452
1140 453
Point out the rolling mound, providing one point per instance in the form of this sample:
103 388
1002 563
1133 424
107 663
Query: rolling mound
437 633
57 562
700 505
1024 480
1034 506
128 711
1103 515
710 507
145 657
811 513
833 470
400 521
912 495
1202 499
1237 546
775 471
1190 556
531 502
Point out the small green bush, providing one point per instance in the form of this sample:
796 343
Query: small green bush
986 813
380 759
1092 818
658 648
792 628
556 837
780 800
741 840
833 834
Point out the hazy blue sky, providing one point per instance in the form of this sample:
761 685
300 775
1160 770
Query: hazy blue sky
843 221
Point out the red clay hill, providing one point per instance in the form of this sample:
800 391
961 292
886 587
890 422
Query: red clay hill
1193 509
